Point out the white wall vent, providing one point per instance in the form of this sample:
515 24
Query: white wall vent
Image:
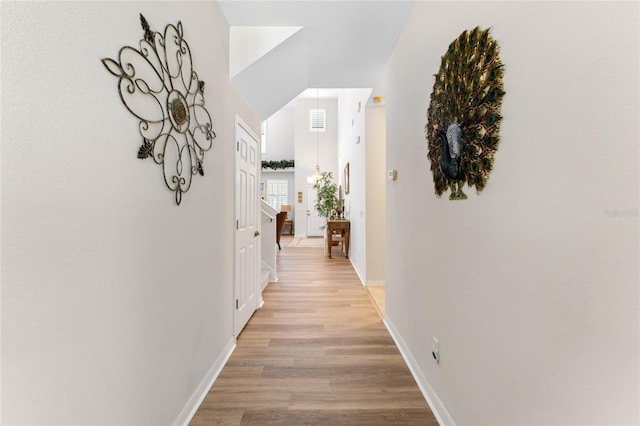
318 120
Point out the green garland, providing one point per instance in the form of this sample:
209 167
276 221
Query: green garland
275 165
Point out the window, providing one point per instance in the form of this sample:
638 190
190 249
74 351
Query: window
263 137
277 193
317 120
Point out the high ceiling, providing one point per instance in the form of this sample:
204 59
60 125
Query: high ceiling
342 44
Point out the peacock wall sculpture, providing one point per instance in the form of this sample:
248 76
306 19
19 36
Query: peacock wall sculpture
463 118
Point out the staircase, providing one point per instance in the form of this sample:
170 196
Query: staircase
268 244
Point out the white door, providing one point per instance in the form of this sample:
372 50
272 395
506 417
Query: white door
315 223
247 234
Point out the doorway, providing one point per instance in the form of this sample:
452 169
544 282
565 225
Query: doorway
247 238
315 223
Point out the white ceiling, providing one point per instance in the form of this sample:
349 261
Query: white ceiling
342 44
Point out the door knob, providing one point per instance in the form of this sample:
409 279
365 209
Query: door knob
255 234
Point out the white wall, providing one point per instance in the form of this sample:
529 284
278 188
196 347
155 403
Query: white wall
532 286
249 43
352 127
280 135
306 154
375 147
281 146
116 303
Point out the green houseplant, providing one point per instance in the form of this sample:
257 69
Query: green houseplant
326 198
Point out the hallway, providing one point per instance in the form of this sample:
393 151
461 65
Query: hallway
316 353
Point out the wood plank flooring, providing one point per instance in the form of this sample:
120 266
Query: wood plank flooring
315 354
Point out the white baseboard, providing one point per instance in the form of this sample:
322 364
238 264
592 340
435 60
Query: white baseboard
362 279
273 277
360 276
436 405
201 391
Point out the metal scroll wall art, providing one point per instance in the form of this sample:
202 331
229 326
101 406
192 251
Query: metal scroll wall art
158 85
463 118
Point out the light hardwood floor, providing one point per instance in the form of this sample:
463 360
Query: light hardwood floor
315 354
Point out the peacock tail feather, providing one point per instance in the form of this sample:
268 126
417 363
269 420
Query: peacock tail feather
467 90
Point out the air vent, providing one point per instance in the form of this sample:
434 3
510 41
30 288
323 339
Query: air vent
318 120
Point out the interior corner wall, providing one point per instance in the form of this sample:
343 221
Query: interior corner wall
531 286
116 303
376 180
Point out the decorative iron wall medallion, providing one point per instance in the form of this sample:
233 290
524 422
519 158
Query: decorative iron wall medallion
158 85
463 119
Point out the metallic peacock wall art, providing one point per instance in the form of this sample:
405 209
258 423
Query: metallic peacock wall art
463 118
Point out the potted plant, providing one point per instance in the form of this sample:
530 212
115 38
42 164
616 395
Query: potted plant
326 198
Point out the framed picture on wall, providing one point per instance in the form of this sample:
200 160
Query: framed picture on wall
346 179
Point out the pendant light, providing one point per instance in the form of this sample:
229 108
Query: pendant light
317 137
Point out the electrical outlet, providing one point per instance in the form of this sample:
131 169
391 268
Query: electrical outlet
435 349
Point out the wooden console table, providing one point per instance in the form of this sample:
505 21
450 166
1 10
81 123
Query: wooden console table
338 226
289 223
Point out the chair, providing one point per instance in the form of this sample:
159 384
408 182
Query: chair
287 222
280 218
